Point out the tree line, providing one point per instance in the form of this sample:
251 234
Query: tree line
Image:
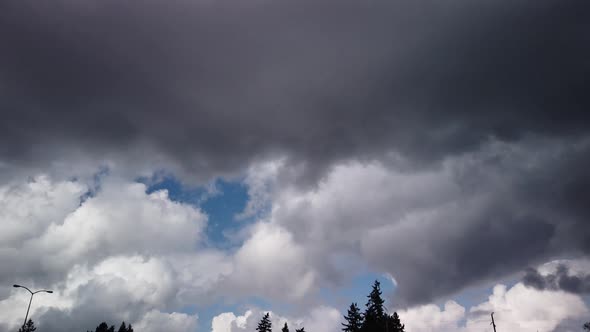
102 327
374 319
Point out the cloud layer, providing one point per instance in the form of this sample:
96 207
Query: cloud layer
444 144
562 279
209 87
476 218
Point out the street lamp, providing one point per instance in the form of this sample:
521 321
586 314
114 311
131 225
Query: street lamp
31 300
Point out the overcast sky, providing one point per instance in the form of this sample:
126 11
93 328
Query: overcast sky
188 165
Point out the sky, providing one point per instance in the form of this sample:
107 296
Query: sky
189 165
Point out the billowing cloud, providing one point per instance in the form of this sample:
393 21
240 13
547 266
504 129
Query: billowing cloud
271 264
49 229
561 279
120 254
517 309
431 317
522 308
142 252
320 318
474 218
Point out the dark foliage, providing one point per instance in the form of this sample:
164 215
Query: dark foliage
375 311
394 324
285 328
28 327
375 317
265 325
354 319
104 327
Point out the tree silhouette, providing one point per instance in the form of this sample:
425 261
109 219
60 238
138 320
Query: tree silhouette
300 330
587 326
354 319
375 312
265 325
104 327
28 327
285 328
122 328
394 324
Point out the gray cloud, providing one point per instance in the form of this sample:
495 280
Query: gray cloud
562 279
213 85
476 219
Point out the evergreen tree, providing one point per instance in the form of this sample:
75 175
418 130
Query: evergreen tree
394 324
28 327
354 319
300 330
122 328
102 327
285 328
587 326
375 311
265 325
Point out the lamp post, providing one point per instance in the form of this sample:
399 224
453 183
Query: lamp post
31 300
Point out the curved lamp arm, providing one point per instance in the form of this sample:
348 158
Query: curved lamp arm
31 300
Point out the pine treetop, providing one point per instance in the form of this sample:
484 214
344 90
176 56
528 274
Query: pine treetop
354 319
265 325
375 310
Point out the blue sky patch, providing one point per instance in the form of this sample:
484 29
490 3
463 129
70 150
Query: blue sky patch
222 204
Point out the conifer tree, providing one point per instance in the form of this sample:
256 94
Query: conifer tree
129 328
354 319
285 328
375 311
587 326
102 327
122 328
265 325
300 330
28 327
394 324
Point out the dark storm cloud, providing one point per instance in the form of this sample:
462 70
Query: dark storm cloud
562 279
515 206
488 250
213 85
